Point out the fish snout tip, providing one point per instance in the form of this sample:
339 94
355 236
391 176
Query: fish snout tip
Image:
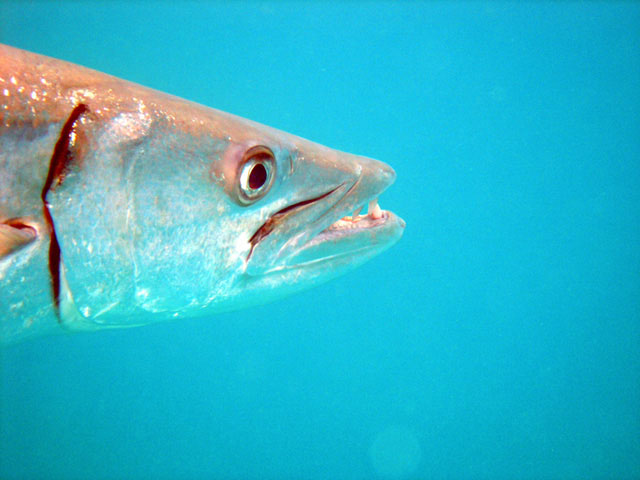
387 173
383 173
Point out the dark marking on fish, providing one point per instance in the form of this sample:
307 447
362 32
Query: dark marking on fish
58 167
15 234
20 224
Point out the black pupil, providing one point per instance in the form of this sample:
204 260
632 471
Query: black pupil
258 176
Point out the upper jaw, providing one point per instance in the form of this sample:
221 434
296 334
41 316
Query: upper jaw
328 225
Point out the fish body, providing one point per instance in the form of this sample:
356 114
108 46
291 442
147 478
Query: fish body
122 206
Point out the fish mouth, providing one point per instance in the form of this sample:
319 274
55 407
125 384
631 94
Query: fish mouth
281 215
329 227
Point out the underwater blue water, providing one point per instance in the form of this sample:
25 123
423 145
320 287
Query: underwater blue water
499 339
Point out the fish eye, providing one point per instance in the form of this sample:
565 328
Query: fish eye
257 171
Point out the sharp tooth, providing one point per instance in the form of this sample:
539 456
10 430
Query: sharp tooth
354 217
374 210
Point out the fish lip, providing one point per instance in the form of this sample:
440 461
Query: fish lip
290 210
339 228
326 225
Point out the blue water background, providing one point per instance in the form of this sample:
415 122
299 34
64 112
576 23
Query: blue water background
499 339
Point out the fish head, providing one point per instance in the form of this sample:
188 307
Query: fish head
191 211
303 227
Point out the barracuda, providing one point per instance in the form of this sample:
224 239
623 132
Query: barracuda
122 206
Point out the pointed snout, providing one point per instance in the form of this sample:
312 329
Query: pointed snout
380 170
378 175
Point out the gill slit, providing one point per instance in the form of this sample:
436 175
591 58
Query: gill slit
60 160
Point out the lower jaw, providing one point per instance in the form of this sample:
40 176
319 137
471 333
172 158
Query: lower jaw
340 247
349 241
